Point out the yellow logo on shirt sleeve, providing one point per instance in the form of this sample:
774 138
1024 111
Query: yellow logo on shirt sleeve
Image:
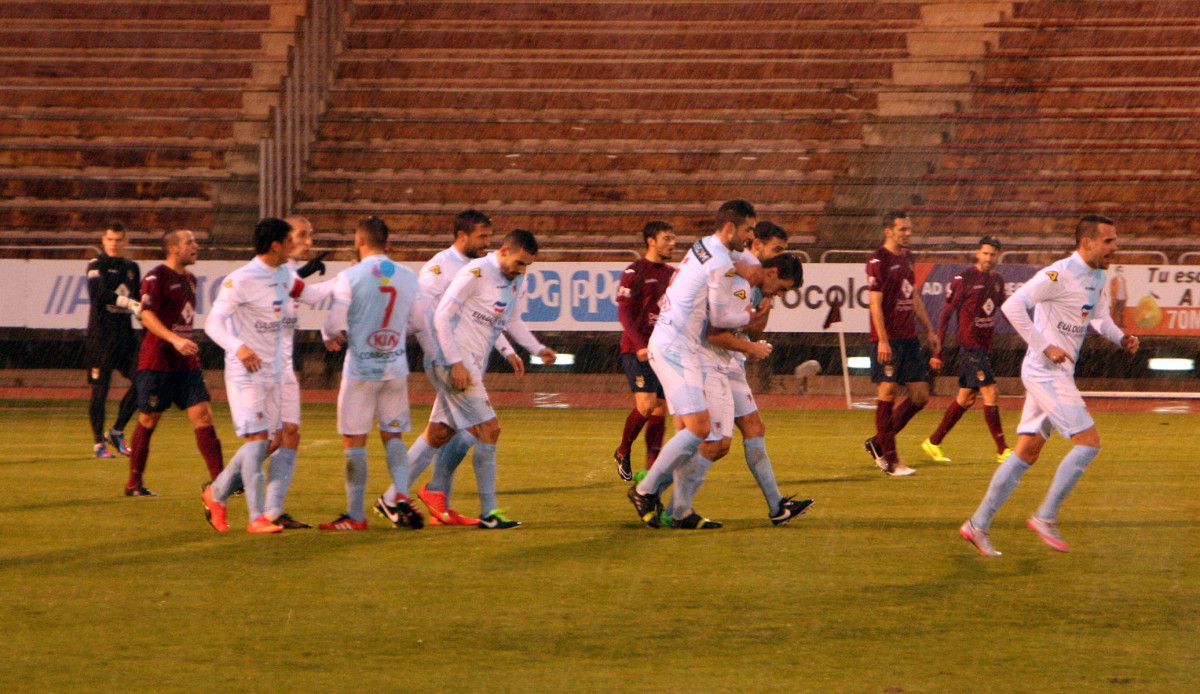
1052 275
477 272
228 284
731 273
436 269
741 294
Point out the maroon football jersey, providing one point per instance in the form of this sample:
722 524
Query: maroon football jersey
642 286
975 297
172 298
893 275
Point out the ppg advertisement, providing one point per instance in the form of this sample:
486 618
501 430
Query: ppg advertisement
1147 300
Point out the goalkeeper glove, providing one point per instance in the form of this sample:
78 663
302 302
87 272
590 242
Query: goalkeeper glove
314 266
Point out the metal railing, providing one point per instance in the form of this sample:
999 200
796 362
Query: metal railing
293 124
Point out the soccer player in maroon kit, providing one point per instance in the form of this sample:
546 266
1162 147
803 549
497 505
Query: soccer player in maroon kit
895 302
975 296
642 286
169 360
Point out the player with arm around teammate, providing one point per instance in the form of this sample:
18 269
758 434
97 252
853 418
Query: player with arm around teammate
975 296
1066 299
699 296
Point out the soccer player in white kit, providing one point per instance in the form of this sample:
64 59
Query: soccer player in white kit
1066 298
472 235
483 300
374 306
699 296
253 319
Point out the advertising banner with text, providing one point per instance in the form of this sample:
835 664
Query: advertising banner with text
1149 300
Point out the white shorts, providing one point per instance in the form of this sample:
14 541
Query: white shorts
362 403
255 407
739 388
682 380
289 409
1054 405
459 409
720 404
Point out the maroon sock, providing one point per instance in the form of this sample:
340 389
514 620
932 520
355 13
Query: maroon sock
902 414
210 448
139 452
953 413
656 428
991 414
883 429
633 426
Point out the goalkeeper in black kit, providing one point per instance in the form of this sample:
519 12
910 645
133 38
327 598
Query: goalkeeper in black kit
113 284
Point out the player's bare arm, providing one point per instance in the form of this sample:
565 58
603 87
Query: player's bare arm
730 341
884 350
931 334
181 344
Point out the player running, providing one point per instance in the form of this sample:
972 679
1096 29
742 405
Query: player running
472 236
481 302
895 303
168 369
642 286
113 284
253 319
975 297
1066 298
699 296
374 305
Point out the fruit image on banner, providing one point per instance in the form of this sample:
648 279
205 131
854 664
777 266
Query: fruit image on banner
1167 299
1147 315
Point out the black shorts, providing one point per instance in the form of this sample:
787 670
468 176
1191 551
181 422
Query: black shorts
975 369
909 364
641 377
104 359
158 390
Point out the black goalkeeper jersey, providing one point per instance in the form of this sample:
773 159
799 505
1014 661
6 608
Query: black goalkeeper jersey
109 325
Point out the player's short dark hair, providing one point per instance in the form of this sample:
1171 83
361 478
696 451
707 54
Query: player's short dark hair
735 212
116 226
1089 227
990 241
521 240
653 229
788 265
268 231
765 231
466 221
170 239
376 231
889 218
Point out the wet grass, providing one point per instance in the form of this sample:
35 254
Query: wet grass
873 591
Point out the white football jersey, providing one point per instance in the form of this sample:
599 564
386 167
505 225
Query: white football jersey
256 306
1065 297
700 294
435 278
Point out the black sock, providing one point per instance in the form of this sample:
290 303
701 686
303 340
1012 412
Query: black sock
126 410
96 410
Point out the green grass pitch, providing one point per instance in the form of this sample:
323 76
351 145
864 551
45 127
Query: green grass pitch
872 591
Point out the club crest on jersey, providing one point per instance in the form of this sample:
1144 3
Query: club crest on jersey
988 307
701 252
1052 275
1087 309
277 306
499 307
907 289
